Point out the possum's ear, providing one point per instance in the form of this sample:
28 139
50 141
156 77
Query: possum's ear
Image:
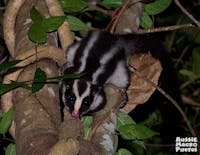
64 67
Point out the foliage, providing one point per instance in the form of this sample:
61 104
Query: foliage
87 122
135 131
41 25
6 121
76 24
123 151
129 130
38 82
39 76
153 8
111 3
74 6
184 47
11 150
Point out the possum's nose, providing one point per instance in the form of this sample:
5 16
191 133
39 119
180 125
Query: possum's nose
75 114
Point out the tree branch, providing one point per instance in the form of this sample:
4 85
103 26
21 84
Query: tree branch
164 28
189 15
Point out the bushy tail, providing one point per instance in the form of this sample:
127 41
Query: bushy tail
140 43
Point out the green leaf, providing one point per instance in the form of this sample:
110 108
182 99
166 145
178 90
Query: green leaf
39 80
87 122
124 119
13 69
35 15
4 88
153 119
136 131
52 23
6 121
76 24
86 132
196 60
188 74
36 33
157 6
123 151
9 64
111 3
145 21
74 6
140 143
66 76
11 150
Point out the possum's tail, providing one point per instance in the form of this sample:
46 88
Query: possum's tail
144 43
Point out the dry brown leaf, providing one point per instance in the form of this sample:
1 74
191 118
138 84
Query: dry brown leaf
140 90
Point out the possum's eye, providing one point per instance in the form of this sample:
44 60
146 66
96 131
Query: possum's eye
85 104
71 97
86 101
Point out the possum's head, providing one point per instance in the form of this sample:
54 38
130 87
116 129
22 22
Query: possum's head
82 98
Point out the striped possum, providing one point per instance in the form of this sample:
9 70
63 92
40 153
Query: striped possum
103 57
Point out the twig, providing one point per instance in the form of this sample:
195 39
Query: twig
187 13
182 55
189 82
172 38
106 12
115 19
189 101
167 96
164 28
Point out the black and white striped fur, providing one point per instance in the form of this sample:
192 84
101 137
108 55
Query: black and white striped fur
103 58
